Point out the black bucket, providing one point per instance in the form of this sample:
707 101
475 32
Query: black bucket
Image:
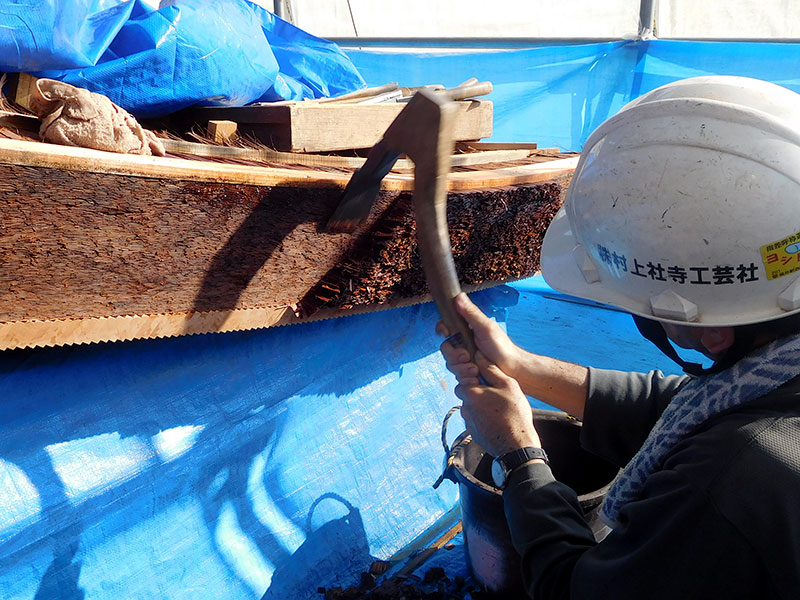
491 557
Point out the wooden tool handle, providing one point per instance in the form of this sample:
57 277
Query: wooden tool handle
468 90
362 93
426 136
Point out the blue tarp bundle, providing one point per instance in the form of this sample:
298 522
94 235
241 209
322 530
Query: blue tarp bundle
153 62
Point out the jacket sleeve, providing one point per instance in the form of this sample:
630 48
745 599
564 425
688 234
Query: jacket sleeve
672 543
622 408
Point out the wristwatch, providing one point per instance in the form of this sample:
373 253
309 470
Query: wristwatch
503 465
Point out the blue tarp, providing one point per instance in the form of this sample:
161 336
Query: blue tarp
267 463
230 465
556 95
153 62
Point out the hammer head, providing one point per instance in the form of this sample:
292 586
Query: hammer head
362 191
410 133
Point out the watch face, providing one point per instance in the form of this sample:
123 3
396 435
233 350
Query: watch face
498 473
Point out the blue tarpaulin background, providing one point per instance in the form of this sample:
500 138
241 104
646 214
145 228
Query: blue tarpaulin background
246 464
556 95
267 463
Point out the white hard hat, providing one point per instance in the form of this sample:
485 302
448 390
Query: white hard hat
685 206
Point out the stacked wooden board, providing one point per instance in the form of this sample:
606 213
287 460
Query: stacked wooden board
324 127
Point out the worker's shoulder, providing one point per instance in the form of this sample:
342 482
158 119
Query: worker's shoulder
753 480
748 449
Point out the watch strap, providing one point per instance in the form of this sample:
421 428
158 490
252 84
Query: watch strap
516 458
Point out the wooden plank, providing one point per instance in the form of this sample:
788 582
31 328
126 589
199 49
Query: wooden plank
23 90
266 112
221 131
316 127
512 175
497 145
321 160
36 154
490 156
496 178
550 152
65 332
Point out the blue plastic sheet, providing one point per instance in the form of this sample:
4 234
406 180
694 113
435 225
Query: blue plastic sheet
154 62
50 34
556 95
245 465
266 463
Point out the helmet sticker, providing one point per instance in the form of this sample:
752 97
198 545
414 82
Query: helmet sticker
692 275
783 257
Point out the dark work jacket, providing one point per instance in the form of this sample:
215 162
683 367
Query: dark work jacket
721 519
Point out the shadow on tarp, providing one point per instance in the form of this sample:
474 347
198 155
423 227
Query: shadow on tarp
337 547
195 459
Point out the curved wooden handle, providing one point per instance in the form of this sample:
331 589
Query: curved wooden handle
433 237
424 131
426 136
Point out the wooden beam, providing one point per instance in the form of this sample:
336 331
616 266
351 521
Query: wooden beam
23 90
318 127
92 253
221 131
36 154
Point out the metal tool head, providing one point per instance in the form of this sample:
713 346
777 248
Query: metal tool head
362 190
408 134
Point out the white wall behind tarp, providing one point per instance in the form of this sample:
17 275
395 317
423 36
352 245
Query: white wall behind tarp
728 19
606 19
465 18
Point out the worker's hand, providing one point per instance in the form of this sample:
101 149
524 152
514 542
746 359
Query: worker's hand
490 339
498 415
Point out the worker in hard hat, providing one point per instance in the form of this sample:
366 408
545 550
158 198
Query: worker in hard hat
684 211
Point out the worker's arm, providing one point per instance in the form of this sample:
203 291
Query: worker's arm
555 382
672 543
497 414
622 408
559 554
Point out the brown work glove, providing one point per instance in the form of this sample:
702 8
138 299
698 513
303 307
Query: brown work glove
77 117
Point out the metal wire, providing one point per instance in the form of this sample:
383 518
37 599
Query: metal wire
352 18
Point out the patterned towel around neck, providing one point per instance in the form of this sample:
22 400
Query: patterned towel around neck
697 401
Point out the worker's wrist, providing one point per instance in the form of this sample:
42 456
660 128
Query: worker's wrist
514 363
535 469
524 465
532 462
525 439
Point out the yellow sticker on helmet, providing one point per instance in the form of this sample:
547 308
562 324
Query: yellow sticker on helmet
782 257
